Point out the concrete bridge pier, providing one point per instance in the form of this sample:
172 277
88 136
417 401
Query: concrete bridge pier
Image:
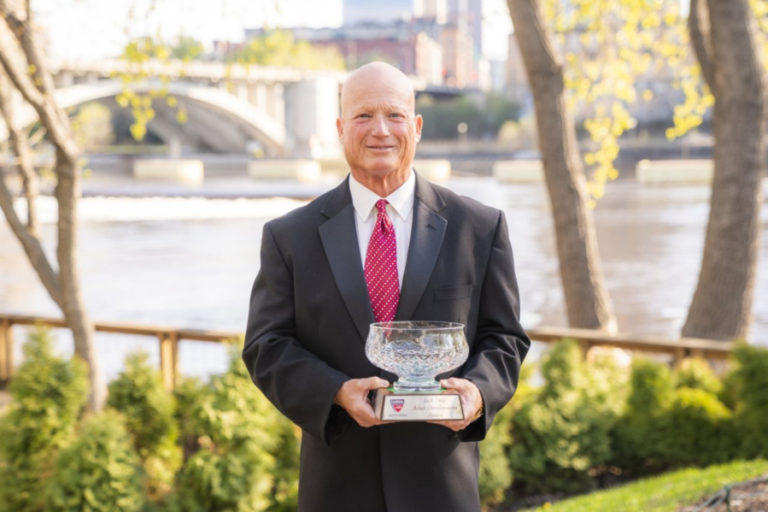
311 109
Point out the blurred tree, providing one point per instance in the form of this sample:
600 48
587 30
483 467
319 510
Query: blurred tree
186 48
145 56
587 301
484 116
279 48
724 37
605 60
92 125
22 69
609 62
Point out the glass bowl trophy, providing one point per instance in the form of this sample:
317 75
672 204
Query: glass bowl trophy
417 352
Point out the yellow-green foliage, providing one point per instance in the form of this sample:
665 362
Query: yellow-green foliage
751 381
279 48
611 48
495 474
141 54
92 125
562 431
697 374
664 426
695 430
636 437
238 437
49 394
138 393
99 471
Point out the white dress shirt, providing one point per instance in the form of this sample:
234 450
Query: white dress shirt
399 209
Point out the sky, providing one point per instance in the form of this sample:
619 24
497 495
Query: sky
96 28
90 29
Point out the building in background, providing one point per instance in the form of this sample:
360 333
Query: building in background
516 81
435 10
459 64
357 11
439 42
412 46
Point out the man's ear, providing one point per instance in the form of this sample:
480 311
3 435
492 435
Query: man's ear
339 127
419 122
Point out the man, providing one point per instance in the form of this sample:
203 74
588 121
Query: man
320 286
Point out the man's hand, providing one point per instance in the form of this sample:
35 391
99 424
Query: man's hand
353 397
471 402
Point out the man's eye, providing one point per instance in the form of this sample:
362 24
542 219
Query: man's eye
397 115
364 116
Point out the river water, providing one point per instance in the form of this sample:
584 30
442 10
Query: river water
190 261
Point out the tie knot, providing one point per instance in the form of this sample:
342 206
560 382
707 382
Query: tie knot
382 219
381 206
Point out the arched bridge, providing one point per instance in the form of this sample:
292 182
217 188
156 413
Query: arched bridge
230 108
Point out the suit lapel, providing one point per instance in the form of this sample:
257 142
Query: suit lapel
339 238
426 240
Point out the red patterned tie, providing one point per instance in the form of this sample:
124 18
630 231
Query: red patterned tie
381 267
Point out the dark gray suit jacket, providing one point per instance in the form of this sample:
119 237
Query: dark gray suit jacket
307 324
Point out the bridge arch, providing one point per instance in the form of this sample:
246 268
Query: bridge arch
234 111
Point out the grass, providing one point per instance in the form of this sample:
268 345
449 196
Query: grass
664 493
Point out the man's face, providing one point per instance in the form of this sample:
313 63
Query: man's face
378 128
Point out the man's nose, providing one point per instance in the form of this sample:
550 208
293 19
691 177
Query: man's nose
380 126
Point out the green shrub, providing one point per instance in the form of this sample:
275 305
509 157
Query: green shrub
636 437
730 392
695 373
49 394
751 376
99 471
495 473
138 392
190 395
561 432
664 427
240 437
285 490
651 386
695 430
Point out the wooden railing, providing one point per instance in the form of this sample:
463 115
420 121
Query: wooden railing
169 338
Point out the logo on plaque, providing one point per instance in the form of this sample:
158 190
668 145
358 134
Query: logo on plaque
397 404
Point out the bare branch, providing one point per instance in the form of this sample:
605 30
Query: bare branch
23 28
21 147
55 121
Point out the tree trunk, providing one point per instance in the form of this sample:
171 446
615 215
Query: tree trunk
701 39
20 60
722 303
586 297
75 314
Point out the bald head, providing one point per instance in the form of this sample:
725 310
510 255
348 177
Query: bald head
378 127
382 74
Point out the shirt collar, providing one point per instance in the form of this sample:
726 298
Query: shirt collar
401 200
